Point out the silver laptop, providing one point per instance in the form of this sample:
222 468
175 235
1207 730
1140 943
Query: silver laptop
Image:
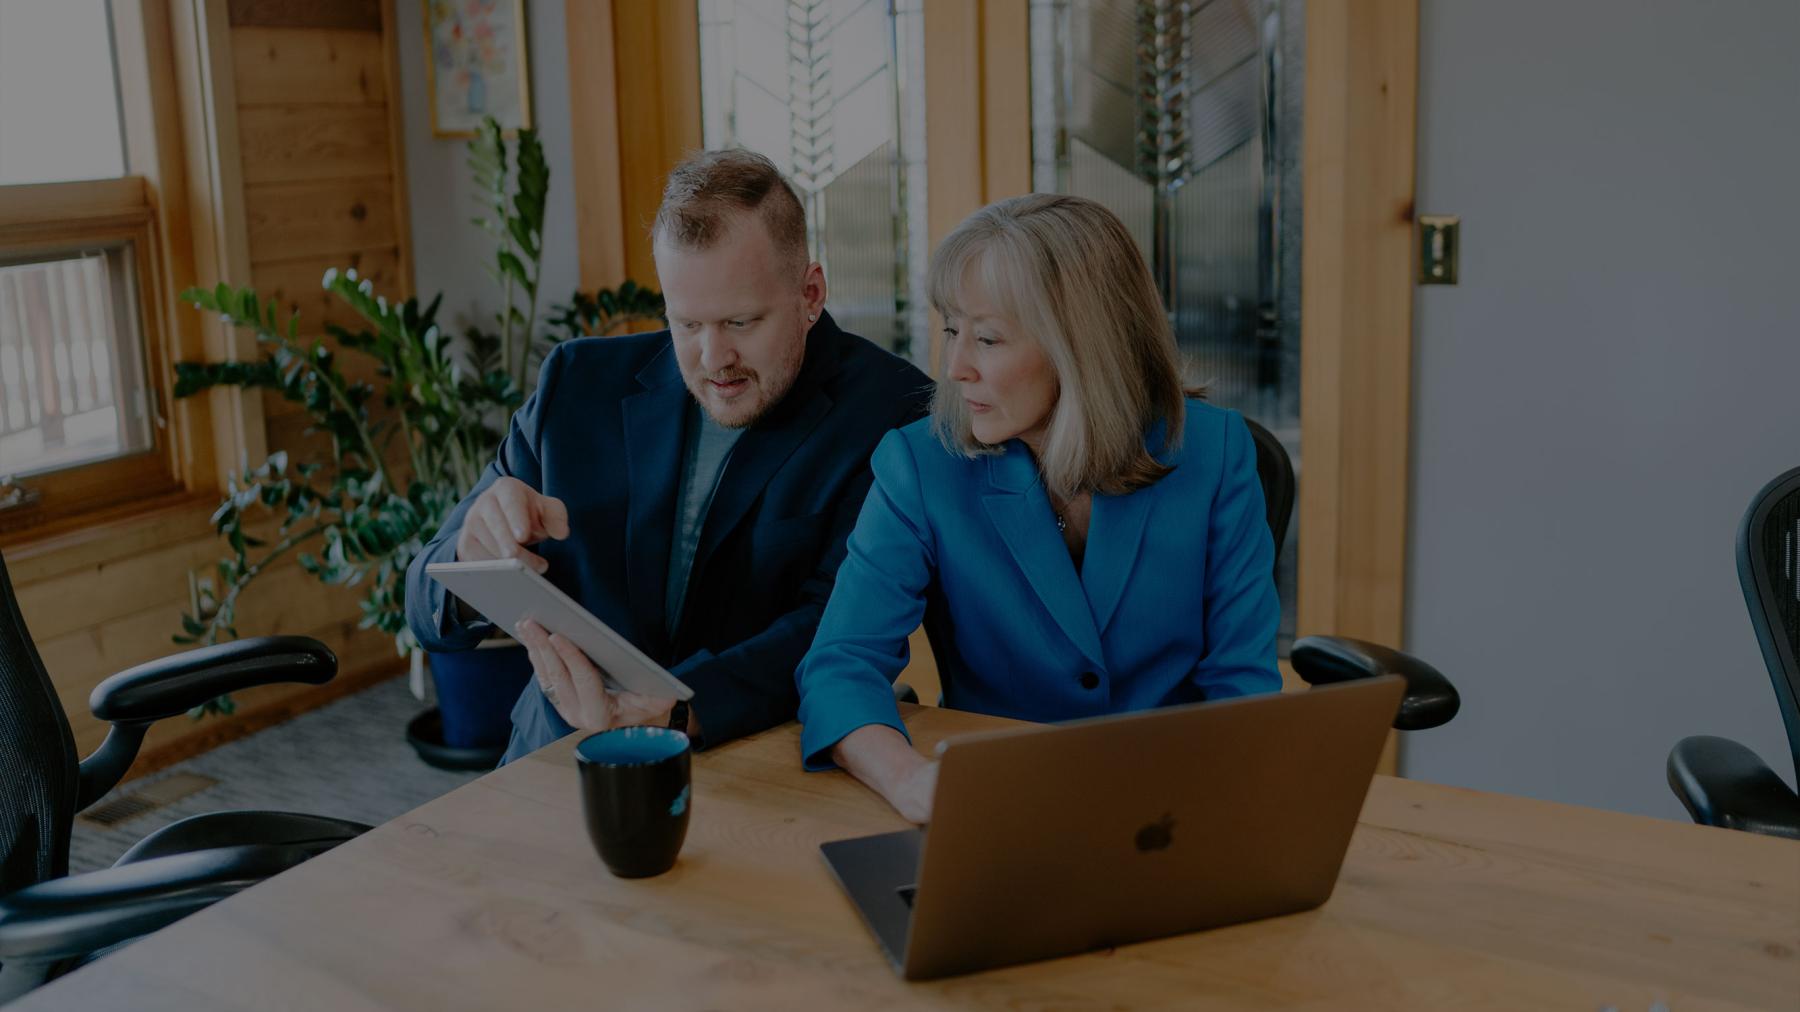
1052 840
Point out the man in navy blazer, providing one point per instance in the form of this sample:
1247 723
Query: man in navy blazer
693 488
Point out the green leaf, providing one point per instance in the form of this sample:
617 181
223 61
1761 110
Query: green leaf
511 267
523 235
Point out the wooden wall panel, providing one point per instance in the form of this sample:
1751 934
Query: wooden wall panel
594 142
105 542
1005 99
355 14
953 138
292 143
68 603
296 285
319 219
321 67
1361 95
658 60
321 149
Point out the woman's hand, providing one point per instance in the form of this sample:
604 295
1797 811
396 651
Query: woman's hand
912 796
881 757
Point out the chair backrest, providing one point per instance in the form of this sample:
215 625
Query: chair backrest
39 775
1768 555
1276 470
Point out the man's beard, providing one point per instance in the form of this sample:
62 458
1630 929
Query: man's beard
750 406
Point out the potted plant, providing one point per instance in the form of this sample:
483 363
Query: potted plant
404 449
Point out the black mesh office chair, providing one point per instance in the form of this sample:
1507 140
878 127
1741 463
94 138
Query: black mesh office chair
1721 782
51 921
1430 699
1275 469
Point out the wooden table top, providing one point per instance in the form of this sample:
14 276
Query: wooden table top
491 898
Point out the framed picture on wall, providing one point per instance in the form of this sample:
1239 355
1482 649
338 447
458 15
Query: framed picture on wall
475 65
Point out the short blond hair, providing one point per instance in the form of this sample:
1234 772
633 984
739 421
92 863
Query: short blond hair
707 188
1068 274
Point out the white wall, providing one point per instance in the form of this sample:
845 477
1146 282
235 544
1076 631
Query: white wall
450 254
1611 382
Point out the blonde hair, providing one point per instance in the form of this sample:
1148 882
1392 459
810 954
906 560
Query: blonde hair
708 187
1068 274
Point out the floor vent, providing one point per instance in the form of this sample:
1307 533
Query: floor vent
148 798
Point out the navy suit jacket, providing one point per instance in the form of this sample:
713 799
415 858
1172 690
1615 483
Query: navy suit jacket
603 433
1174 603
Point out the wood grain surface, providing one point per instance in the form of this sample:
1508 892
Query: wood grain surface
491 897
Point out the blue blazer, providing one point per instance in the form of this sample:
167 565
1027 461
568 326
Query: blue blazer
1175 601
603 433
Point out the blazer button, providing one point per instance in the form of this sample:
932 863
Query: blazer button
1089 680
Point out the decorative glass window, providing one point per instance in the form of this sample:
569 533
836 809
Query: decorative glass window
828 90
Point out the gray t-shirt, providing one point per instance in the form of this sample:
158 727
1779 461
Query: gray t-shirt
703 455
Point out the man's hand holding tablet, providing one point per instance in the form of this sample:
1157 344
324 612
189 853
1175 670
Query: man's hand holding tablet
578 690
504 520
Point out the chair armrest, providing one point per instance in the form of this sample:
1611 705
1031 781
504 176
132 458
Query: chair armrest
176 684
132 699
1723 783
69 917
1430 701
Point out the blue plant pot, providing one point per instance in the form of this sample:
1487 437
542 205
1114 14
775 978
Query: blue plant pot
476 690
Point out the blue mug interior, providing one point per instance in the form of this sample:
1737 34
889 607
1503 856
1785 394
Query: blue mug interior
632 746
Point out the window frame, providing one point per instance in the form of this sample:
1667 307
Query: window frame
43 217
181 201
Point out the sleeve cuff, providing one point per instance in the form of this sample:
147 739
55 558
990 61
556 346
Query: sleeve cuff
714 722
834 717
452 629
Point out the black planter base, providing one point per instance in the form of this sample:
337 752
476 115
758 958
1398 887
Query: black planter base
425 733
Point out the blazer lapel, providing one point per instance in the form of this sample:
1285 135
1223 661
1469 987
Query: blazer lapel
653 423
1115 530
1020 512
1115 533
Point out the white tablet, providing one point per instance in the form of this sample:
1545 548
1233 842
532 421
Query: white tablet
507 591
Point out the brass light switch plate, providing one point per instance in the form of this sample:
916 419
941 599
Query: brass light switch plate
1439 236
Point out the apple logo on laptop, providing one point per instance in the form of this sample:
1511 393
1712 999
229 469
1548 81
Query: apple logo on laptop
1157 835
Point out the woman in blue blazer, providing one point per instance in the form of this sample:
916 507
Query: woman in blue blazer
1079 535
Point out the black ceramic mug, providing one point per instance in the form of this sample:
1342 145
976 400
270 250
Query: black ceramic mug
634 792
